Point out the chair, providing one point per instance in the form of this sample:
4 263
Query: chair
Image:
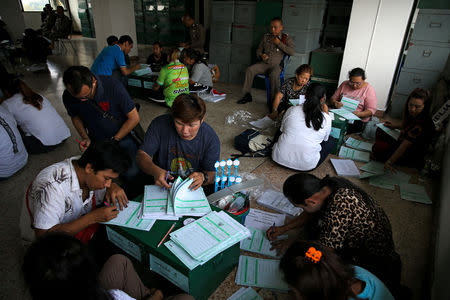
284 62
60 42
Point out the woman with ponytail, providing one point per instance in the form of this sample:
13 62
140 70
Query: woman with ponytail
305 142
41 126
316 272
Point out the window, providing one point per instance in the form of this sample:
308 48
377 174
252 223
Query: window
34 5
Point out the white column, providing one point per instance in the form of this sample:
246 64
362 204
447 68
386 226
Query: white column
374 42
114 17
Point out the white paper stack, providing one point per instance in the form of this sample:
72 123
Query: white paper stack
345 167
201 240
245 294
277 201
170 204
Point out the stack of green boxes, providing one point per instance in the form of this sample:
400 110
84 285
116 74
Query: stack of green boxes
242 40
327 66
266 10
86 19
160 21
200 282
222 17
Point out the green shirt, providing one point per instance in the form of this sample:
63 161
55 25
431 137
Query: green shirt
175 79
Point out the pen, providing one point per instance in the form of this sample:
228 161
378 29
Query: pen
80 142
167 176
273 227
166 235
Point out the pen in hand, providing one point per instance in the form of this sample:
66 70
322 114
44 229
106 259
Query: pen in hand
167 176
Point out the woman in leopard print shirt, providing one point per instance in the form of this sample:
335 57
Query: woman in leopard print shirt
343 217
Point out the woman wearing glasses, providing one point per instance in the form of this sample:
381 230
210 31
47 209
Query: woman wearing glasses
357 88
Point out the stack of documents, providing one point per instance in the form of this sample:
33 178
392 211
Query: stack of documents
129 217
144 70
414 192
359 145
345 167
178 201
263 123
245 294
349 106
260 272
278 202
201 240
394 133
353 154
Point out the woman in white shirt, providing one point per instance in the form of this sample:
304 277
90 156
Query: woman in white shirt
200 77
304 142
41 126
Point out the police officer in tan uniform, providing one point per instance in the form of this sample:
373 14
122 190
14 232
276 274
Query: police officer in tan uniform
196 34
271 50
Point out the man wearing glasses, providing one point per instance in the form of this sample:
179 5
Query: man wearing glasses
101 108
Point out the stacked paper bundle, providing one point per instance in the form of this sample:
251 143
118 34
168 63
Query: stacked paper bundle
201 240
161 204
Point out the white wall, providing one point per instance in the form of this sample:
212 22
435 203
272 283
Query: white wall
32 20
441 280
76 23
374 42
11 14
114 17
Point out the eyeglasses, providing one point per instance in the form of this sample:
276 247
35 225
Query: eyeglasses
359 83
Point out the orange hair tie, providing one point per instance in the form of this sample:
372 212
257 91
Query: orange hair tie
313 254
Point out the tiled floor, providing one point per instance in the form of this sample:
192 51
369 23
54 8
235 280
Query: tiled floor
411 222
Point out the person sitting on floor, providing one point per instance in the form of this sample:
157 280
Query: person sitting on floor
112 40
157 59
181 143
42 127
101 108
58 266
65 196
343 217
293 88
357 88
304 142
111 61
35 47
49 21
62 27
173 78
13 154
200 79
271 50
416 133
316 272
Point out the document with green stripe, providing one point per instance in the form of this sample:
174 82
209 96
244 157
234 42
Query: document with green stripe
208 236
359 145
155 204
349 104
353 154
259 272
187 202
258 243
129 217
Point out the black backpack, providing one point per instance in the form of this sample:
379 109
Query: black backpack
241 143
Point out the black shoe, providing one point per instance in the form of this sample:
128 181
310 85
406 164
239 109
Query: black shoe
247 98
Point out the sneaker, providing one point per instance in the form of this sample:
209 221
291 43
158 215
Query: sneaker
247 98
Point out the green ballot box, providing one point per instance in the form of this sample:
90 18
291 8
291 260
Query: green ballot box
338 131
139 85
200 282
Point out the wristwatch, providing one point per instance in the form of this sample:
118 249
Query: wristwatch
205 175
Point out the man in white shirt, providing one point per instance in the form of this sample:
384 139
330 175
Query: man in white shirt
64 196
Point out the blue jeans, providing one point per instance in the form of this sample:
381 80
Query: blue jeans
130 146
